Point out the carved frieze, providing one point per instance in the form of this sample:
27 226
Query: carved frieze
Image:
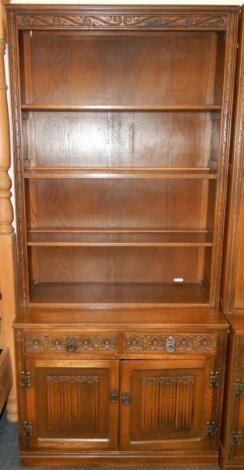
121 21
158 343
60 343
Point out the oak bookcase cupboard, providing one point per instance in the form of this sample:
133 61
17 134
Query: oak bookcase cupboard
122 119
232 292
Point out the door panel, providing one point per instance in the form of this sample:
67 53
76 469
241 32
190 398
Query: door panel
69 404
169 403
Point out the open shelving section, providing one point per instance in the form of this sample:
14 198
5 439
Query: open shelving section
121 165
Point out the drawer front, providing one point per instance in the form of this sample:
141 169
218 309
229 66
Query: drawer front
135 343
86 343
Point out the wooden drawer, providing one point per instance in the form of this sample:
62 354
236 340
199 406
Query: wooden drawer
71 342
136 343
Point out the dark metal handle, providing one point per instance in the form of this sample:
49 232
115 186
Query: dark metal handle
126 398
170 344
114 395
71 344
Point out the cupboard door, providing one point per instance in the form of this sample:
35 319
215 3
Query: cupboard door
73 404
166 404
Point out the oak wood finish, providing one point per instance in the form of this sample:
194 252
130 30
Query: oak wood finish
69 404
170 49
233 275
232 445
64 354
122 129
170 404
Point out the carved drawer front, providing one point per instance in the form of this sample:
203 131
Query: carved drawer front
86 343
167 343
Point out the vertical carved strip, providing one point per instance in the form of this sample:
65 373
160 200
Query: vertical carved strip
7 239
225 132
18 161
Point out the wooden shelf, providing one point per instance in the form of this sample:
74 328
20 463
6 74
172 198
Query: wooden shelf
119 238
116 317
126 173
135 107
120 293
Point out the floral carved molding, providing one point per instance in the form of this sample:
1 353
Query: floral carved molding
82 344
183 343
143 21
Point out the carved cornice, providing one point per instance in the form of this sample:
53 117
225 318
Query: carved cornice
123 21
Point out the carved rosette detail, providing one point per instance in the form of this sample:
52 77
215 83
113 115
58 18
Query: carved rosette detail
143 21
56 344
157 343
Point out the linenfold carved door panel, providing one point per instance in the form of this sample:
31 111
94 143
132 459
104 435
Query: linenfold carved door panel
166 403
73 404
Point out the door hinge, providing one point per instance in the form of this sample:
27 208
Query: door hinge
239 387
126 398
214 379
236 437
25 379
114 395
211 428
28 428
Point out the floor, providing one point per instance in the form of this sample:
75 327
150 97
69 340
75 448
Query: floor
9 449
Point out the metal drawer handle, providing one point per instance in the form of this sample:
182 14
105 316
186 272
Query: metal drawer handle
71 344
170 344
